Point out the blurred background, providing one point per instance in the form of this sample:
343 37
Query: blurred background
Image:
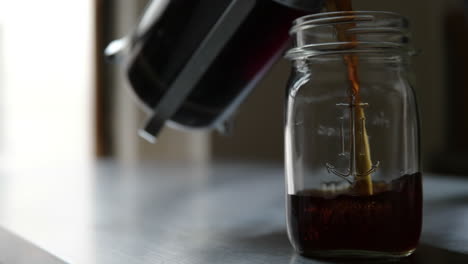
60 102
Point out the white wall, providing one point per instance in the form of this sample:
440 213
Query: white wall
46 98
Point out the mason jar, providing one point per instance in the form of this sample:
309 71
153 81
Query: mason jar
352 158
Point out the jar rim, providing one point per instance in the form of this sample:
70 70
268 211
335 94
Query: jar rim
373 31
341 16
382 48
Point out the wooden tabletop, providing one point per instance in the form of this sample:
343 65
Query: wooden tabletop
178 213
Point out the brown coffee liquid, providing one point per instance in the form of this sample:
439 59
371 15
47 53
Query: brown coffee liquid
387 221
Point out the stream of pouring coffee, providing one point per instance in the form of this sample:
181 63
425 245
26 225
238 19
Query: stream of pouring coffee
361 151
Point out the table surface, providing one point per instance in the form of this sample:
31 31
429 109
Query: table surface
168 213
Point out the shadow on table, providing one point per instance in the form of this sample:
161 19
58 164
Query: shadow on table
449 201
274 242
277 243
430 254
424 254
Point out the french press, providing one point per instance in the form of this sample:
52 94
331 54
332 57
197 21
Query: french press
193 62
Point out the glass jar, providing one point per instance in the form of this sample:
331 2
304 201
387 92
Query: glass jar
352 157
